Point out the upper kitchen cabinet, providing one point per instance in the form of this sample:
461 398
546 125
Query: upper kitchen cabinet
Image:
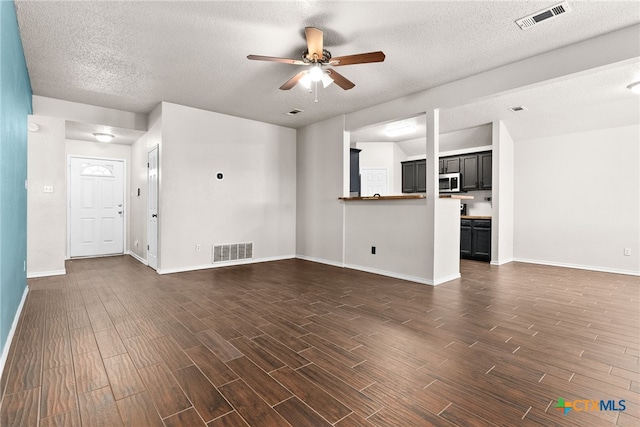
450 165
414 176
476 171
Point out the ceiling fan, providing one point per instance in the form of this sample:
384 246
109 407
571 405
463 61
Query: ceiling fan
316 57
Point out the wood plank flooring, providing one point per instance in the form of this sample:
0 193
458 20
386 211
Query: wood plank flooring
303 344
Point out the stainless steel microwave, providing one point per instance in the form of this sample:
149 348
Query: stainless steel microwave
450 182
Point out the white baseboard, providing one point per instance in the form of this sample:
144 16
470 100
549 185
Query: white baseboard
46 274
416 279
320 260
578 266
138 257
12 331
223 264
502 262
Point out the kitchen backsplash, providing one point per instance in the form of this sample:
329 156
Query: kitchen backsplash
479 206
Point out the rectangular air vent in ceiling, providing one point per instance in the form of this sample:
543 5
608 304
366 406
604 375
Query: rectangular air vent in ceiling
294 112
543 15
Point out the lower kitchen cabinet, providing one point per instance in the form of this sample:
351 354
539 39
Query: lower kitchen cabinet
475 239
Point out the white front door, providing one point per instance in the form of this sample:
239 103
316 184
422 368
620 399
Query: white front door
96 207
152 228
373 181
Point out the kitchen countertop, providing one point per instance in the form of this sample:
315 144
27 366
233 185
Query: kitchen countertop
474 217
408 197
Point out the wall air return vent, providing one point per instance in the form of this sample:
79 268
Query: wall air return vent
543 15
232 252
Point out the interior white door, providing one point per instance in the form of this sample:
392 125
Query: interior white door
152 221
96 207
373 181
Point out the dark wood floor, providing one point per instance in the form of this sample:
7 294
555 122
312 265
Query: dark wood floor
293 342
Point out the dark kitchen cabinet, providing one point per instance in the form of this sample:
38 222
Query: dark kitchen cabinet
475 239
354 172
485 170
414 176
475 169
450 164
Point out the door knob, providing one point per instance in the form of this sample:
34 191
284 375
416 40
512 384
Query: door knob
154 215
119 212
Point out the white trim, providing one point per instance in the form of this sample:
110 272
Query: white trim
223 264
137 257
503 262
578 266
416 279
320 260
46 274
12 331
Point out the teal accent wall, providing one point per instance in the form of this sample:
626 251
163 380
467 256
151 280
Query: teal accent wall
15 106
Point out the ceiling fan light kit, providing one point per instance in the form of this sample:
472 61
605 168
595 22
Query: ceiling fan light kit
316 57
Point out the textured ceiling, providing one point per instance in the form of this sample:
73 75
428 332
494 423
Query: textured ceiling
131 55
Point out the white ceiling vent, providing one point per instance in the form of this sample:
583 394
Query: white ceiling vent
543 15
294 112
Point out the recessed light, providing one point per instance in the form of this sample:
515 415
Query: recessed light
517 109
634 87
103 137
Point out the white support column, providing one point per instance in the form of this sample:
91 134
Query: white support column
443 222
502 195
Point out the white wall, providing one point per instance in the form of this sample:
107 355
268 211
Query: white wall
139 179
255 202
577 199
394 228
321 151
46 212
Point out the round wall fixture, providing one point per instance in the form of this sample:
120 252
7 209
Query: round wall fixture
33 127
220 176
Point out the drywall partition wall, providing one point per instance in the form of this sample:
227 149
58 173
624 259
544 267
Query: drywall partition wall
138 203
47 212
392 227
577 200
321 151
254 201
15 106
86 113
502 195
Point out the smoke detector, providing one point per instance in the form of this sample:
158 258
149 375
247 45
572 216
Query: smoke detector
543 15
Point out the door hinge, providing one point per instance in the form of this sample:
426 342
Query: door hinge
148 166
147 247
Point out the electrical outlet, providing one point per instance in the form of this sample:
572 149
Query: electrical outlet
198 248
48 188
373 250
627 251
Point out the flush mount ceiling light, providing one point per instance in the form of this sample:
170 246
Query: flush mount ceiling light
103 137
399 131
634 87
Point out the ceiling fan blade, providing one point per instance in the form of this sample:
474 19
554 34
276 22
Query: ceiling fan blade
340 80
314 42
361 58
292 81
275 59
